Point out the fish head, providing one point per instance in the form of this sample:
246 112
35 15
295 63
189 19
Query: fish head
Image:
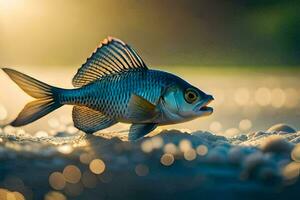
184 101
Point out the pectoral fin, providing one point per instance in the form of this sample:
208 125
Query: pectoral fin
139 109
139 130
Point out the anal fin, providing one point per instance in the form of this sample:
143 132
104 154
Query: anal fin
89 120
137 131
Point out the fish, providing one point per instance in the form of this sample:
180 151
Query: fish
115 85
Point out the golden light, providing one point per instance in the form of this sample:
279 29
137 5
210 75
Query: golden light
245 125
41 134
8 195
53 123
202 150
19 196
57 181
85 158
292 98
97 166
231 132
295 155
291 171
72 174
190 155
10 5
170 148
157 142
53 195
65 149
278 98
263 96
167 159
3 113
215 126
185 145
147 146
242 96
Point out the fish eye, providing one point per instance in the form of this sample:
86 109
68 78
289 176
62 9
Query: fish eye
191 95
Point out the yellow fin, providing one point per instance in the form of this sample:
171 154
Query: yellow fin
140 109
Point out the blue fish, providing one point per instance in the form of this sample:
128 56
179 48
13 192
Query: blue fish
115 85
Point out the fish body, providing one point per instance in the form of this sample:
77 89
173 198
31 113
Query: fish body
115 85
111 95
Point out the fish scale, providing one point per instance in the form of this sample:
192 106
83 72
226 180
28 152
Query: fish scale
112 94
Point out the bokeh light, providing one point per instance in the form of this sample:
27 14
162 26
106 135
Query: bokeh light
291 171
18 196
245 125
65 149
292 98
54 195
57 181
263 96
185 145
147 146
170 148
85 158
5 194
167 159
295 154
72 174
202 150
97 166
190 154
242 96
157 142
215 127
278 98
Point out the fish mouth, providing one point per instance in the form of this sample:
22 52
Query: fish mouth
204 108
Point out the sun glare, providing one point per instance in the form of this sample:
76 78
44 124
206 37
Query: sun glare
10 5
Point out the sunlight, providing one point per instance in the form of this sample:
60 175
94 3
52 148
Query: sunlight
9 6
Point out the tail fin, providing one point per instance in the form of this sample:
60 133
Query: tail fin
45 94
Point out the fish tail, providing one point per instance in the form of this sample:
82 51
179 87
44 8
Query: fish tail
46 97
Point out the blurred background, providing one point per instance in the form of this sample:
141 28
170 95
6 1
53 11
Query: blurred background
244 52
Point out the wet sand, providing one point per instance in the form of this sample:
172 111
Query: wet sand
170 164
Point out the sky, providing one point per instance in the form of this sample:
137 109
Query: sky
164 32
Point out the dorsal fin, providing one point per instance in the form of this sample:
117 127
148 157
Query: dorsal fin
112 57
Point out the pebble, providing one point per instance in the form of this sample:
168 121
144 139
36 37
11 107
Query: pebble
282 128
276 144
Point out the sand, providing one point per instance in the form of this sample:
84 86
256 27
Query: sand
171 164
